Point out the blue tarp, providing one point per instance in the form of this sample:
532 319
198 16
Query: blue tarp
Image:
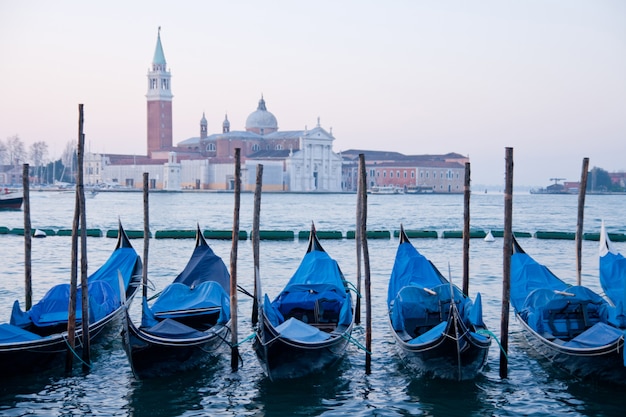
204 265
103 289
317 284
11 334
178 298
173 329
52 309
599 334
200 289
528 275
430 335
296 330
412 268
613 278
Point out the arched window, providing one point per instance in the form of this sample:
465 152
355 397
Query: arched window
210 147
256 147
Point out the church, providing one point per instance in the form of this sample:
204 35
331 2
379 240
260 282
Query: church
294 160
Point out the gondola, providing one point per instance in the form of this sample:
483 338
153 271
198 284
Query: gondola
188 322
613 273
306 328
575 328
439 332
36 339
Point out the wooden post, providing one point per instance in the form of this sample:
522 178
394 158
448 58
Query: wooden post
146 235
366 264
234 357
80 189
466 229
71 309
256 220
357 235
28 273
507 251
582 190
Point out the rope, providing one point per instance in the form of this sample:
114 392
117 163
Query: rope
67 342
490 333
250 337
352 340
244 291
353 289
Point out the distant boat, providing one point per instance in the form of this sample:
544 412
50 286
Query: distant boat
419 189
10 200
386 189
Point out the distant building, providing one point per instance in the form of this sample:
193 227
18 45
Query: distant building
159 98
409 173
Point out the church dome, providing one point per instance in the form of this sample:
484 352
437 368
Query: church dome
261 121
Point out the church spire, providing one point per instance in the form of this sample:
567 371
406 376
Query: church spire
158 62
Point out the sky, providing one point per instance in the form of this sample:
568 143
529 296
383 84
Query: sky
544 77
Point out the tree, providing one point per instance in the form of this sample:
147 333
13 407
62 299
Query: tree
69 158
15 150
38 154
3 153
600 180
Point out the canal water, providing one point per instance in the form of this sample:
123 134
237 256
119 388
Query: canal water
109 388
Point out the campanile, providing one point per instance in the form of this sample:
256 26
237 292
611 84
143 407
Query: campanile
159 98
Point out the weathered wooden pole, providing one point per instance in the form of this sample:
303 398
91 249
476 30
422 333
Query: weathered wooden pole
28 272
71 309
582 190
366 265
146 235
357 235
506 268
466 229
256 220
80 189
234 352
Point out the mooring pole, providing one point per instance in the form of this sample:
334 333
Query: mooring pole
582 190
146 235
466 229
256 220
357 235
366 265
506 268
80 189
234 353
28 272
71 322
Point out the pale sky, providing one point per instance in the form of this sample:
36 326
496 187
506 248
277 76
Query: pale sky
546 77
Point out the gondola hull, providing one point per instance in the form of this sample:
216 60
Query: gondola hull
573 327
604 363
284 358
49 352
153 356
28 349
449 356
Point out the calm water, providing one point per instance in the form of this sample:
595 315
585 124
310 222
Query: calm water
110 388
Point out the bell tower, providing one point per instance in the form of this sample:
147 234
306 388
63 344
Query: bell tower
159 99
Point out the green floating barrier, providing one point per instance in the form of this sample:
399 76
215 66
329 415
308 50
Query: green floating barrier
371 234
500 233
417 234
175 234
4 230
615 237
276 234
542 234
20 231
132 234
321 234
459 234
224 234
89 232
